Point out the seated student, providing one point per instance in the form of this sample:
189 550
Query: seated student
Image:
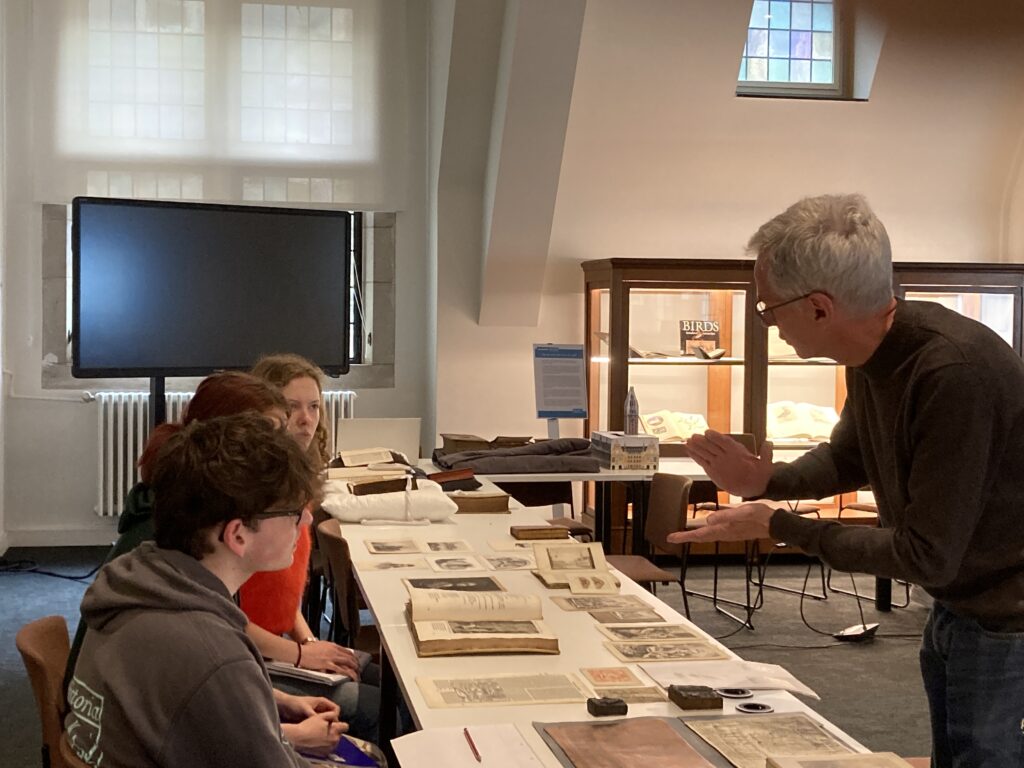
166 675
272 600
222 394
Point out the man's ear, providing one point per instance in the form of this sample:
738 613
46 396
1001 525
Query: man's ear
236 536
822 306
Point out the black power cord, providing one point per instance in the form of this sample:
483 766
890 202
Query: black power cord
30 566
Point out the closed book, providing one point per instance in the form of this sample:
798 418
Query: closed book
369 487
538 532
480 502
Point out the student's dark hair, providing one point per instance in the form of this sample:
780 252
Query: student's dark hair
222 394
225 468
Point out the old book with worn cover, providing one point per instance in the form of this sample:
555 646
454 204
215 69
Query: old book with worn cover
370 487
872 760
480 502
451 623
531 532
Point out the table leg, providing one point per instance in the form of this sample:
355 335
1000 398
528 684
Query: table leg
883 594
640 493
386 725
602 516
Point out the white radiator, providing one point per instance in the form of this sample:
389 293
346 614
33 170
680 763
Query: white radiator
124 429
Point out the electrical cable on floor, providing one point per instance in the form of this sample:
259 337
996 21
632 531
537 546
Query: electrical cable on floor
757 600
30 566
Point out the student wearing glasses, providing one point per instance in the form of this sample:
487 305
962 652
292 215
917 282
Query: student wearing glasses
934 423
222 394
166 675
273 600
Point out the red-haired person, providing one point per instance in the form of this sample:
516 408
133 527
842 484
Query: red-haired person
222 394
273 600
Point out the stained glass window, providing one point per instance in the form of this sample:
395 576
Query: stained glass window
790 43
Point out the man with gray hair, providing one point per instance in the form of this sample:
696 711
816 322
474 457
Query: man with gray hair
934 422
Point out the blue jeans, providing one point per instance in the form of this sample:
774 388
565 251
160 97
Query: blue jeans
359 702
974 679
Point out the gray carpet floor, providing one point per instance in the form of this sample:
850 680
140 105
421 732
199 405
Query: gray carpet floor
872 690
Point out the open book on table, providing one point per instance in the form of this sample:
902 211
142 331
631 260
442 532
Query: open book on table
580 568
450 623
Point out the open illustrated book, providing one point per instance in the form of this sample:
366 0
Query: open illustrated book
451 623
580 568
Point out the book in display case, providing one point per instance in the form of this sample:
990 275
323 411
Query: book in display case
684 334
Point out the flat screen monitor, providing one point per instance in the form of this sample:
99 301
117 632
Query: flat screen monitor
184 289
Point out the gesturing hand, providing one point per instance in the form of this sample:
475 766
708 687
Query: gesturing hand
729 465
326 656
747 521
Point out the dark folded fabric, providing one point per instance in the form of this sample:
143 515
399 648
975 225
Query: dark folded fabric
566 454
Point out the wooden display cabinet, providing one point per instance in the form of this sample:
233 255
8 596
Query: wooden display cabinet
633 311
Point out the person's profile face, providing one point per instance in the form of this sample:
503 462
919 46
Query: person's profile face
303 396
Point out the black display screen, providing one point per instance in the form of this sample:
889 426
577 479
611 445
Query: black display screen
183 289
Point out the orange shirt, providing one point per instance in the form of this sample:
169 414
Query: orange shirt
271 598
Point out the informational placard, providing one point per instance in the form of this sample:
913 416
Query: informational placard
560 381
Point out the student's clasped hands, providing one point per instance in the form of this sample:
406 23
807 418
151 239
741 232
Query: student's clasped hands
314 726
732 468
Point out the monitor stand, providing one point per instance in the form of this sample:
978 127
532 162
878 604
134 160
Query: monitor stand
157 402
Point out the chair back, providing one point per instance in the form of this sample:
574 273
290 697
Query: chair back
666 511
44 647
397 434
338 562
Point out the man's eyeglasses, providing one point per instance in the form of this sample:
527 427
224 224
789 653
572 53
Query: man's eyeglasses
767 313
297 513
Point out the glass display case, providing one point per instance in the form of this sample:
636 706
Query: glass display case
683 333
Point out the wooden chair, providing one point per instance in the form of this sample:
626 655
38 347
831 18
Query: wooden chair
44 646
346 626
314 599
666 513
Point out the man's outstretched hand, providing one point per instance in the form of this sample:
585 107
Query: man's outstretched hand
729 465
747 521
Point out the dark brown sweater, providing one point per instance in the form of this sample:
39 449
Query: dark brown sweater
934 422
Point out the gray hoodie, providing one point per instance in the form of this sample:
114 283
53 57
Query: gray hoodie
167 675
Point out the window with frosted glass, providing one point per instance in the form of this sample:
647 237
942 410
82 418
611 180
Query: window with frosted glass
146 69
789 43
296 74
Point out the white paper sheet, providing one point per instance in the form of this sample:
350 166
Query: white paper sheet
500 746
727 674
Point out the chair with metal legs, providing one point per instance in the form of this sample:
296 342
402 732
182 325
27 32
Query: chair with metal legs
865 509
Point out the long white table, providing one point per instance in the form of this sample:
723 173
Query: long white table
581 642
639 479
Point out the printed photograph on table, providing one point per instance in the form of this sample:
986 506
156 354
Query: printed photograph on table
455 563
521 562
611 676
599 603
501 690
648 632
627 616
447 546
692 651
391 565
393 547
746 741
456 583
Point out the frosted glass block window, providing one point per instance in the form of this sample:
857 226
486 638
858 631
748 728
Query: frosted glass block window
790 43
293 189
297 70
144 185
146 61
